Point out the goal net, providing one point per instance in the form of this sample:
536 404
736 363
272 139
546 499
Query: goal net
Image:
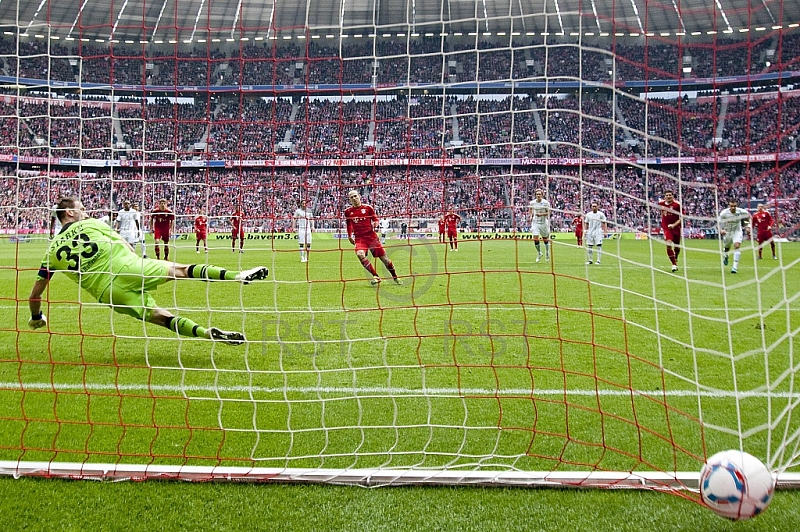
606 359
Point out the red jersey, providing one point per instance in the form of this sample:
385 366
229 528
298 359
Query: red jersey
162 220
236 220
451 220
200 224
577 225
762 221
359 222
441 225
670 213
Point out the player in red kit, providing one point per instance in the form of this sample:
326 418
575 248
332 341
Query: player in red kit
763 222
441 229
361 220
451 219
577 226
237 231
671 225
162 223
201 232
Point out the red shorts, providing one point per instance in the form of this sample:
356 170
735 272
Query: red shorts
578 234
763 236
452 233
201 236
672 235
237 234
372 246
160 233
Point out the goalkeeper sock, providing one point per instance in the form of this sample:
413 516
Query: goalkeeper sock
211 273
369 267
185 327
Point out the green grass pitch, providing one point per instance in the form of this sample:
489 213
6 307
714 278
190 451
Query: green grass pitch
485 359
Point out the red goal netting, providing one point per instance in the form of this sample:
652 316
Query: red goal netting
516 351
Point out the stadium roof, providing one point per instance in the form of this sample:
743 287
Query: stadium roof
157 20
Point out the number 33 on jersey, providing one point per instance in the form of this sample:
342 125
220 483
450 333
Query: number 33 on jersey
86 251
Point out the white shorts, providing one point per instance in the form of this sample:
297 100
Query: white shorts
730 239
130 237
541 230
304 238
593 239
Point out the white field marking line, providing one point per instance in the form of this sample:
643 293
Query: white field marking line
460 307
379 390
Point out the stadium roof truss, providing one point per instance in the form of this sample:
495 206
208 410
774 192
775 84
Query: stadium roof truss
179 21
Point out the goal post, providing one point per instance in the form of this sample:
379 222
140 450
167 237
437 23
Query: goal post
588 351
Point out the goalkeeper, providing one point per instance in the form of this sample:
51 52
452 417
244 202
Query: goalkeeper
99 260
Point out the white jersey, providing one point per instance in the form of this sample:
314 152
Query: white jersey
540 225
303 220
594 227
57 223
538 208
304 225
128 224
731 222
142 229
384 225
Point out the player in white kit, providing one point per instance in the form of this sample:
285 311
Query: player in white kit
127 224
596 226
539 210
303 223
384 226
55 223
731 222
135 207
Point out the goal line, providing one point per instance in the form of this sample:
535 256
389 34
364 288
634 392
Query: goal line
381 390
374 477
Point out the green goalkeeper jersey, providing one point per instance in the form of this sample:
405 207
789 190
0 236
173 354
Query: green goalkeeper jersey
90 253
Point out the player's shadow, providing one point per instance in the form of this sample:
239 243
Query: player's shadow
412 289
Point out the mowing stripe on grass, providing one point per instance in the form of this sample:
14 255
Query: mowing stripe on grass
46 386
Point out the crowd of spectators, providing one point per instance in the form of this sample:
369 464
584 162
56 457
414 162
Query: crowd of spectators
400 127
240 125
654 125
416 60
487 198
331 127
755 126
230 126
252 126
163 129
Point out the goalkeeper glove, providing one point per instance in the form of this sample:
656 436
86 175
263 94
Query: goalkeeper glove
37 322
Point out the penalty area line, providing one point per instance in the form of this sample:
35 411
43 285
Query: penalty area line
380 390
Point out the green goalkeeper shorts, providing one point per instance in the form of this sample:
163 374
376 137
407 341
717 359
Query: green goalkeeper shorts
129 289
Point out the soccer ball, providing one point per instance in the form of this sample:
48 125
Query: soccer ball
736 485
